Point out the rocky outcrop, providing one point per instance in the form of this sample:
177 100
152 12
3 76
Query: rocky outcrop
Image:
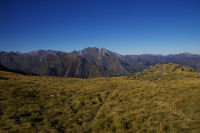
162 71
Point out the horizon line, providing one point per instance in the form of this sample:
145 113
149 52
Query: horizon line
157 54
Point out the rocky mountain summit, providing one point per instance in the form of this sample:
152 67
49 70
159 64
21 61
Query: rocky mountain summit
89 62
109 60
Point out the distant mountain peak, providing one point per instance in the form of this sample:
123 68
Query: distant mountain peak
43 52
91 61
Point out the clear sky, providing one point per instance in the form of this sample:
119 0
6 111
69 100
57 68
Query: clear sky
123 26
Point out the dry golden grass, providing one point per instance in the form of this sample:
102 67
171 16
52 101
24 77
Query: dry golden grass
58 105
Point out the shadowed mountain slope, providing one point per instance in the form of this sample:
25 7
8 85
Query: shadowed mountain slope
89 62
103 57
3 68
52 64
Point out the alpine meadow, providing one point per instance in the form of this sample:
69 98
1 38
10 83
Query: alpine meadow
100 66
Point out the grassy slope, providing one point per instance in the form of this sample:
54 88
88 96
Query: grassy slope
51 104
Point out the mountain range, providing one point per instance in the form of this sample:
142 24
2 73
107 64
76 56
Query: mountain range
89 62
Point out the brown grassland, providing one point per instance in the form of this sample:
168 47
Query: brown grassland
39 104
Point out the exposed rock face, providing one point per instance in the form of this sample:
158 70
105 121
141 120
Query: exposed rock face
89 62
109 60
52 64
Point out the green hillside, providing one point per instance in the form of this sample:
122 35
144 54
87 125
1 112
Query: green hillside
140 103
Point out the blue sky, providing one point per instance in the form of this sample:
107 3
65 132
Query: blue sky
123 26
